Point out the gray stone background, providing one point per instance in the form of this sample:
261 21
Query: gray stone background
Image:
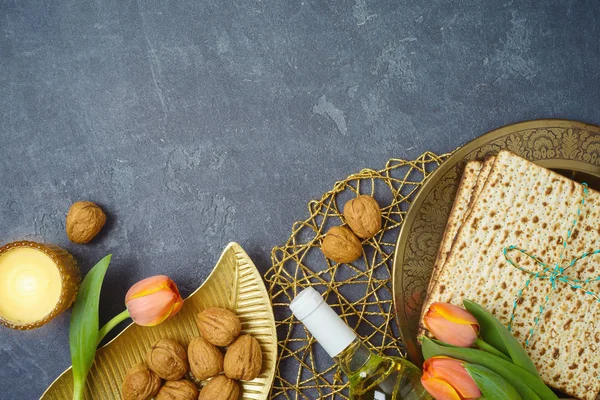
196 123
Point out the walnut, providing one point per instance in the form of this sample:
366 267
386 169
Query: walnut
140 383
178 390
363 216
243 359
341 245
205 359
84 220
218 325
220 388
167 359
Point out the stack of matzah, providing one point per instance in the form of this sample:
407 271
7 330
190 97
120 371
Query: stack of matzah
510 201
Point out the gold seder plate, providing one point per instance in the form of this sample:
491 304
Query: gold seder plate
568 147
234 283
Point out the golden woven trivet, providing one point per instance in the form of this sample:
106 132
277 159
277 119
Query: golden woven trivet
361 292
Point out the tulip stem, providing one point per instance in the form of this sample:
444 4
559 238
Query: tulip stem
111 324
490 349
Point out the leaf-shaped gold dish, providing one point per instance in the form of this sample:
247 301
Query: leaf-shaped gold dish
235 284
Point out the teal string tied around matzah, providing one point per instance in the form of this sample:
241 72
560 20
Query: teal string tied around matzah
554 276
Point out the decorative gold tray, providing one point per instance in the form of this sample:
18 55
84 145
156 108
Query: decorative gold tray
236 284
568 147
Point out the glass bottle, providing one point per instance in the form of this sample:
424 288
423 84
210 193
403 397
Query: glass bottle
371 377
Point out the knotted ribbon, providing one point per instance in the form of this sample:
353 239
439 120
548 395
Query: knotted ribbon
555 275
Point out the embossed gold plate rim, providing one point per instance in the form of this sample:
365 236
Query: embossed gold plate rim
234 283
474 149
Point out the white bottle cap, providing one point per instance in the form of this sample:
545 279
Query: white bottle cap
322 322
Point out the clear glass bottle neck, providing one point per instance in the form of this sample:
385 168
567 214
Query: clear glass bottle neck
354 357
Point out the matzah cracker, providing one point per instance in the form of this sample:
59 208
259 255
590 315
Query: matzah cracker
474 176
459 207
460 214
528 206
481 179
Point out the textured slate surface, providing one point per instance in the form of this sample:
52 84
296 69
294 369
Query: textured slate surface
196 123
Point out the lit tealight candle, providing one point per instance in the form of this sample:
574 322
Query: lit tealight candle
37 282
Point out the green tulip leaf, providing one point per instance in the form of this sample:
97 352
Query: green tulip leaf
83 332
494 333
443 344
492 385
528 386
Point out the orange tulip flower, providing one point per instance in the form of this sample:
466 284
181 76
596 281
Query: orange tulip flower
153 300
149 302
446 379
451 324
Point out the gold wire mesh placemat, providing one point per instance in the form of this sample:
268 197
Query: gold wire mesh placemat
360 292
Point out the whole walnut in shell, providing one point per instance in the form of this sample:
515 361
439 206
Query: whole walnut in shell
178 390
84 220
140 383
167 359
220 388
363 216
205 359
243 359
218 325
341 245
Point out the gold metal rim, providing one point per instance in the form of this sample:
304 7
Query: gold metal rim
457 156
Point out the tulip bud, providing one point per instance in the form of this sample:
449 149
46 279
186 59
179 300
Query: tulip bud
446 379
153 300
451 324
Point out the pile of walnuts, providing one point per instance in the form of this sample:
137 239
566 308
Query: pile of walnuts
168 360
342 244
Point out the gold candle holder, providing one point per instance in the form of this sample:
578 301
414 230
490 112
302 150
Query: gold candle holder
37 282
